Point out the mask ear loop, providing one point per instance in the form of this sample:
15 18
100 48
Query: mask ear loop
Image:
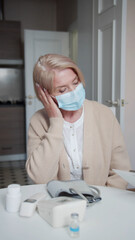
53 96
54 99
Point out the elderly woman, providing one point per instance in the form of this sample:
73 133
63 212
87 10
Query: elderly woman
71 137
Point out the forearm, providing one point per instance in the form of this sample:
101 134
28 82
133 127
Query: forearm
42 164
122 163
120 159
116 181
44 152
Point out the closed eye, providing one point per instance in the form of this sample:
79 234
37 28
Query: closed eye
62 90
76 80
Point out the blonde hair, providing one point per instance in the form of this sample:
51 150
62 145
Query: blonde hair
43 72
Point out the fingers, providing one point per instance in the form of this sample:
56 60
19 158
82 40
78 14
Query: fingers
48 97
43 95
49 104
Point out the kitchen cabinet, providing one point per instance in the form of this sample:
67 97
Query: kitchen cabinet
12 129
10 40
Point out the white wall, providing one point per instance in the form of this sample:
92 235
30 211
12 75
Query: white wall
33 14
130 82
85 43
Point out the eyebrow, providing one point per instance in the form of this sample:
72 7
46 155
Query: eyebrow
65 85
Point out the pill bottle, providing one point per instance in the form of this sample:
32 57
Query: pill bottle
13 198
74 228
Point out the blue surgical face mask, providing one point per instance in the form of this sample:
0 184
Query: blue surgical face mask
73 100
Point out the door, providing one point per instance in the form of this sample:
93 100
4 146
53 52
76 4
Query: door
108 45
37 43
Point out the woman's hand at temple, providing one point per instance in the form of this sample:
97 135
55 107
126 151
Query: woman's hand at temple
49 104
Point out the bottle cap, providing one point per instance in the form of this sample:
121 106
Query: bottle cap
14 189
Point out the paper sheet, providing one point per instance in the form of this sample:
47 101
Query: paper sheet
128 176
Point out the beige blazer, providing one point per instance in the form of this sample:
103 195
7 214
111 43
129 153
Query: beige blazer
103 148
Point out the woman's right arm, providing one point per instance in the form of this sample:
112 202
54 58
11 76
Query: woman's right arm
45 141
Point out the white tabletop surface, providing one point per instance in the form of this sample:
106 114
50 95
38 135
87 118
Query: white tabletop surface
113 218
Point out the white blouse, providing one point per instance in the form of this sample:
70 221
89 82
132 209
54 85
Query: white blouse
73 141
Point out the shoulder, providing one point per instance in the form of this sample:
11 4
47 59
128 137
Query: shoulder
102 117
99 111
97 107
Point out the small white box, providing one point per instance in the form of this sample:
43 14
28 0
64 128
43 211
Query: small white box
57 211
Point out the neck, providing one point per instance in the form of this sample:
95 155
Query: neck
72 116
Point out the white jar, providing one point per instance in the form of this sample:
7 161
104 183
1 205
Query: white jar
13 198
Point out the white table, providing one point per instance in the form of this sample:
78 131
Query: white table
113 218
